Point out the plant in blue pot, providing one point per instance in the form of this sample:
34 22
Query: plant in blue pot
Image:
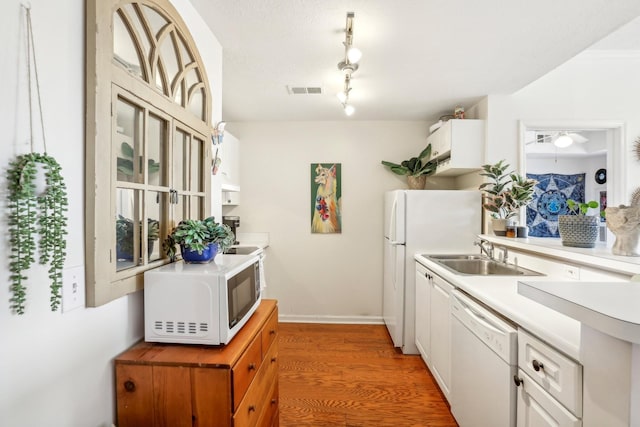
199 240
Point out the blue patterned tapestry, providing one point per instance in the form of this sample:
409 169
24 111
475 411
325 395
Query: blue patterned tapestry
550 200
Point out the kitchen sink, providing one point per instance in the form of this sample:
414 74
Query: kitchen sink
455 256
477 265
243 250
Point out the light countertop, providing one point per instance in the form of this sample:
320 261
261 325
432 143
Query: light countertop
598 257
611 308
501 294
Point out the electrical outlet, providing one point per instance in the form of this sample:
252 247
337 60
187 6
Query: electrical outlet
571 272
73 288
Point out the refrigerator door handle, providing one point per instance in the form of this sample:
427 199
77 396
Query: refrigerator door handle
392 223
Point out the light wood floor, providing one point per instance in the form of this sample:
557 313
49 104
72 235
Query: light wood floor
350 375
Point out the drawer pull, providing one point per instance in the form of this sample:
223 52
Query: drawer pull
272 332
537 365
517 380
252 366
273 359
274 401
129 385
252 408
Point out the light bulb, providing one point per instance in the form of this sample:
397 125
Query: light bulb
354 54
349 109
563 141
342 97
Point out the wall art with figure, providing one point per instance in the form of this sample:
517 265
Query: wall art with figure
326 198
550 200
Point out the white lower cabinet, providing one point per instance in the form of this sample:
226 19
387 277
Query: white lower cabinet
441 333
423 317
536 407
433 325
549 385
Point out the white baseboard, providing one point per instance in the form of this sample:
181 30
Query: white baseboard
350 320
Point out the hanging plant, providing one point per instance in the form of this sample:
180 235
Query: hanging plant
30 214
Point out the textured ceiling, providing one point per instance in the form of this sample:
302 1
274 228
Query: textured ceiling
421 58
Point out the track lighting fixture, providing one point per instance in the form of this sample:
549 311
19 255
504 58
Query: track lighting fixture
349 65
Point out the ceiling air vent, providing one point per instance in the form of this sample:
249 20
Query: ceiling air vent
304 90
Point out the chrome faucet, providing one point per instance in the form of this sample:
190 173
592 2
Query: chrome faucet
505 254
488 251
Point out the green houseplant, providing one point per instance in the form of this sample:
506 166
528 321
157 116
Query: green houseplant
31 213
577 228
415 168
124 236
199 240
504 193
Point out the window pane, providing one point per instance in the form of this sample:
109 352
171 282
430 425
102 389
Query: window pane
156 223
127 228
156 21
144 43
156 148
179 211
179 165
195 207
124 49
197 158
127 142
196 103
169 56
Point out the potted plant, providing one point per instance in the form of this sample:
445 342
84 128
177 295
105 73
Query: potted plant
34 213
414 168
124 236
199 240
577 229
504 194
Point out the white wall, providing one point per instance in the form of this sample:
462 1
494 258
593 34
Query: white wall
590 87
322 276
56 369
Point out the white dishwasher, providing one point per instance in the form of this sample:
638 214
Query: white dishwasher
484 359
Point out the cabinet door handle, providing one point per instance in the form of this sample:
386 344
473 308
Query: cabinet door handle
273 359
252 366
517 380
537 365
272 332
129 385
252 408
274 401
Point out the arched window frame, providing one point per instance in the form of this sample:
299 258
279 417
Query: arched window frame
109 79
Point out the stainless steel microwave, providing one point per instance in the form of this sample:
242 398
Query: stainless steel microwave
201 303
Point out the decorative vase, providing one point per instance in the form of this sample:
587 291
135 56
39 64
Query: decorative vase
193 257
578 231
499 226
416 182
624 223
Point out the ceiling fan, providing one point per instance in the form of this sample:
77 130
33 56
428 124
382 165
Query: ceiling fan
560 139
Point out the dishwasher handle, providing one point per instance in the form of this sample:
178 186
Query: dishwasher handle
480 317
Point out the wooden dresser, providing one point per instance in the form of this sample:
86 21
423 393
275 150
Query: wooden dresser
175 385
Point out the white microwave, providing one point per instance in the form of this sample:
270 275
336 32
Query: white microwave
201 303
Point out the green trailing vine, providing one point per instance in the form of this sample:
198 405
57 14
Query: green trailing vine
31 214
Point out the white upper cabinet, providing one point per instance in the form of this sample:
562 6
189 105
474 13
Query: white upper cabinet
229 169
458 145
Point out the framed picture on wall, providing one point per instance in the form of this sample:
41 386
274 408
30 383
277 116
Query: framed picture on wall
326 198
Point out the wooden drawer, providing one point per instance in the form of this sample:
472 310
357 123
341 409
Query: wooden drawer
258 398
270 410
270 332
246 369
556 373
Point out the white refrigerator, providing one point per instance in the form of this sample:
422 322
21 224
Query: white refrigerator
421 221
